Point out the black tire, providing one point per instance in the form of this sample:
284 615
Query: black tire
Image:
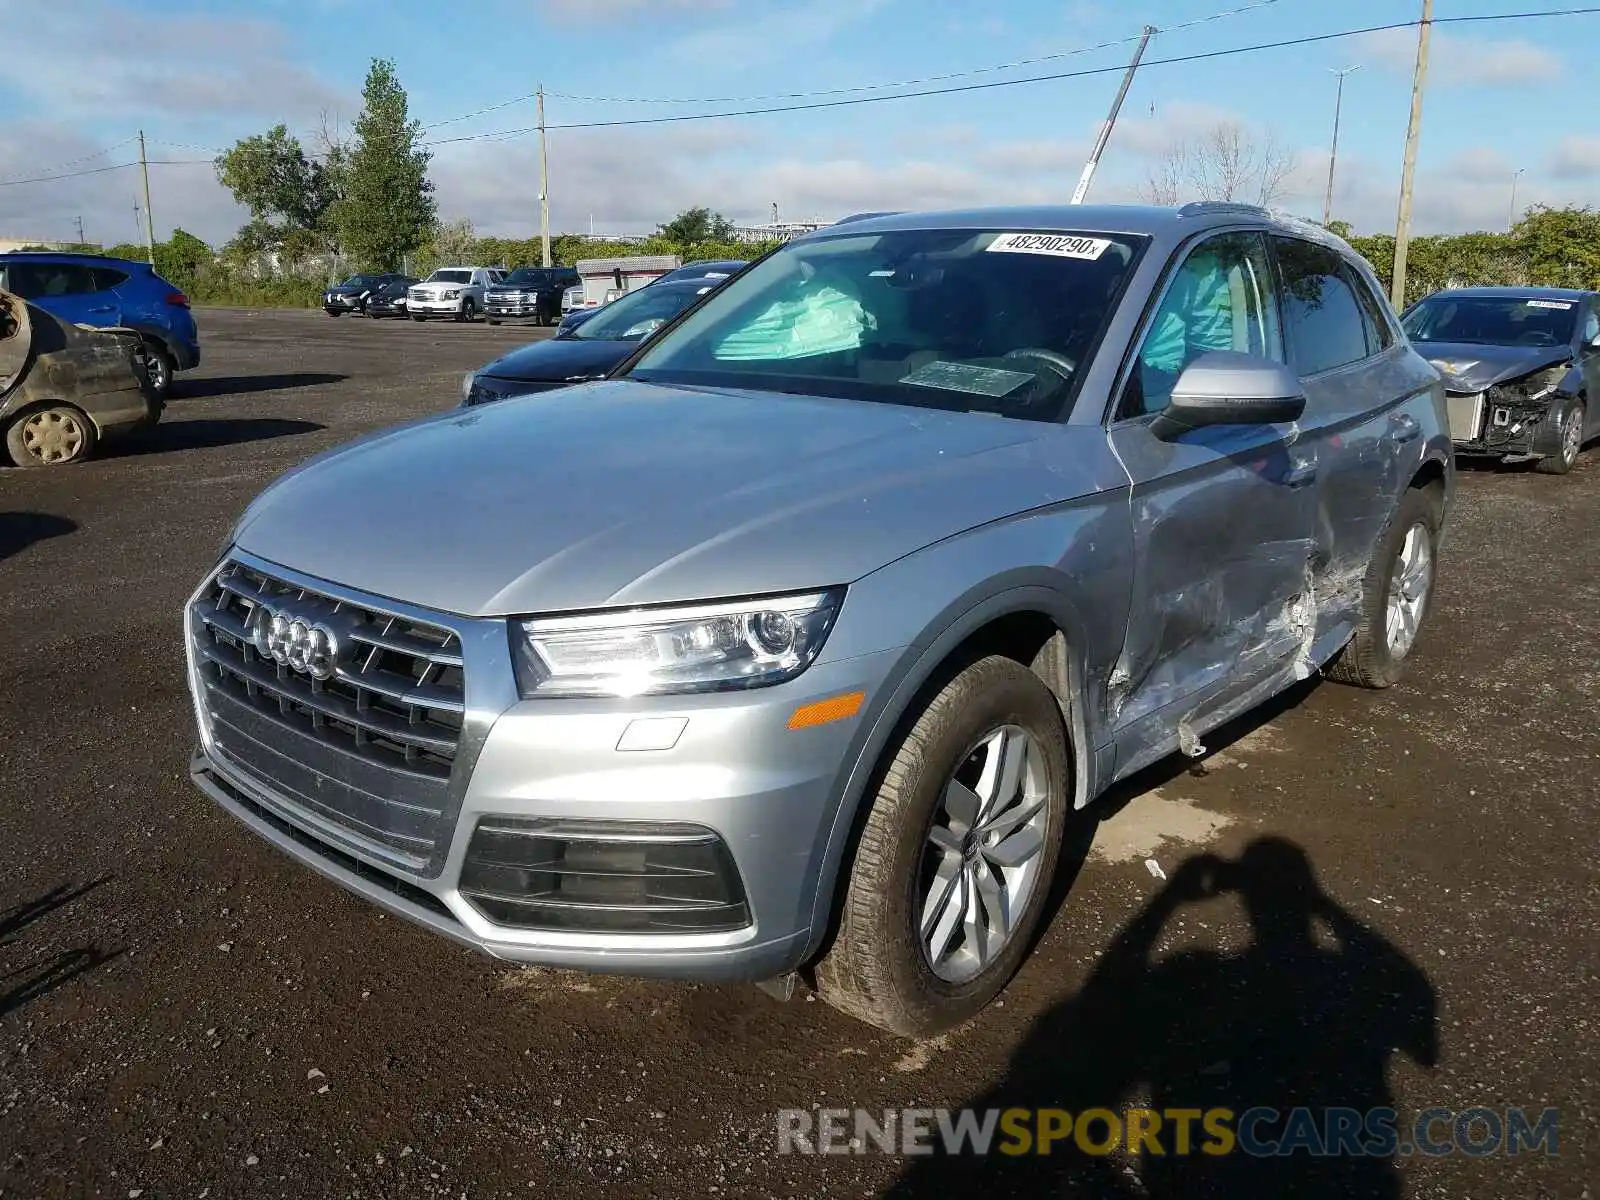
467 311
877 968
53 435
1367 660
1564 459
418 317
160 369
334 312
491 320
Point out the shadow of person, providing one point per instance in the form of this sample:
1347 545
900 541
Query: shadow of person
1306 1015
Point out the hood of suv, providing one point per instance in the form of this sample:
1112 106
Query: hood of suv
1472 367
623 492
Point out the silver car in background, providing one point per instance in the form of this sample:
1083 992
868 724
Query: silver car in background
795 644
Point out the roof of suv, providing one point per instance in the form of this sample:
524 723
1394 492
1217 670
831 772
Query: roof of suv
1513 293
71 256
1100 218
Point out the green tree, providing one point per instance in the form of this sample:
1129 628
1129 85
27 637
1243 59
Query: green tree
182 259
388 208
288 193
696 225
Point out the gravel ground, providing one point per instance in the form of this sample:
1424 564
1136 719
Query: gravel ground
1413 917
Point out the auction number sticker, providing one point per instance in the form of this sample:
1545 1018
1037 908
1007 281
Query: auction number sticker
1561 304
1057 245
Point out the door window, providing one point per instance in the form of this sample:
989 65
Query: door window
44 281
1380 334
1323 319
1220 298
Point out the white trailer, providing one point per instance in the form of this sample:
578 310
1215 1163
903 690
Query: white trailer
604 279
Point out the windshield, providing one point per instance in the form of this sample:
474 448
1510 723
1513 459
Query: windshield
359 281
450 277
1493 320
532 277
637 314
996 321
701 270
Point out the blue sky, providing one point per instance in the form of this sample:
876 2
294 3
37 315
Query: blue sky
197 74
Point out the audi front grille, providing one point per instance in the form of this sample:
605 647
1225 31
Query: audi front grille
350 713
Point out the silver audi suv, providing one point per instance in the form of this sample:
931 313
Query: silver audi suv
793 646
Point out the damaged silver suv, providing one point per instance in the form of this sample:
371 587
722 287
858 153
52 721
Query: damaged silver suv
794 645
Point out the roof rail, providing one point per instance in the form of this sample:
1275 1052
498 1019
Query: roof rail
1200 208
864 216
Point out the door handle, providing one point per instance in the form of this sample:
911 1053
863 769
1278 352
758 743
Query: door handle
1301 472
1403 427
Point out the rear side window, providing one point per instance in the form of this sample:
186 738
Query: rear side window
106 278
1323 321
1380 334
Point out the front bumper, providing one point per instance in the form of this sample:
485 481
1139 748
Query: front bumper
729 764
435 307
496 307
1501 424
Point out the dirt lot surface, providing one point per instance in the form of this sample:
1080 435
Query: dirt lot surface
1413 920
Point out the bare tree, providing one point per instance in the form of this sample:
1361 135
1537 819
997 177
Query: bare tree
1225 162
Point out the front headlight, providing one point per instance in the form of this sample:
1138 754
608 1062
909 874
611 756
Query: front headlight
699 648
453 294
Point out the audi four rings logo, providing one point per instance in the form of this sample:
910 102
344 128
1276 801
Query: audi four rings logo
300 643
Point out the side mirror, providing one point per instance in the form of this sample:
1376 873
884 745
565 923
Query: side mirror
1225 387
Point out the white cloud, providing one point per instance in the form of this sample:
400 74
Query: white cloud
754 37
186 196
1463 61
601 11
1576 157
89 60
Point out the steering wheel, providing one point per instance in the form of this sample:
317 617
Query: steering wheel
1060 363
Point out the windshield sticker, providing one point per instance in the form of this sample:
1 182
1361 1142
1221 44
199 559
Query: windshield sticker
1055 244
959 377
1564 305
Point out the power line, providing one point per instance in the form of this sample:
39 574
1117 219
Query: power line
72 162
67 175
990 85
852 101
927 79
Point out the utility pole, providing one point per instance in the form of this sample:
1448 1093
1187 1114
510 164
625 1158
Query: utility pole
149 225
1333 154
1511 221
1111 119
81 241
544 186
1402 231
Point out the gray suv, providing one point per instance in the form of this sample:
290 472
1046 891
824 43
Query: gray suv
795 644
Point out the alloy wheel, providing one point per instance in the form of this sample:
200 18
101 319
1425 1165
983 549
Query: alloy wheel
1409 584
981 859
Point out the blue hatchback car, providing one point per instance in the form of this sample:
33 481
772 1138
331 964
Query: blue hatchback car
90 289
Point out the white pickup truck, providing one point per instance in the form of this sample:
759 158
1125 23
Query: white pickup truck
451 292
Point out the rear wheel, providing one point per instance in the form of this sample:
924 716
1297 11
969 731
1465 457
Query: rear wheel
50 437
1565 458
1395 596
952 872
158 368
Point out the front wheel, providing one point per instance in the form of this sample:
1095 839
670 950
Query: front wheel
1395 596
1565 458
467 311
952 872
418 317
491 320
50 437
